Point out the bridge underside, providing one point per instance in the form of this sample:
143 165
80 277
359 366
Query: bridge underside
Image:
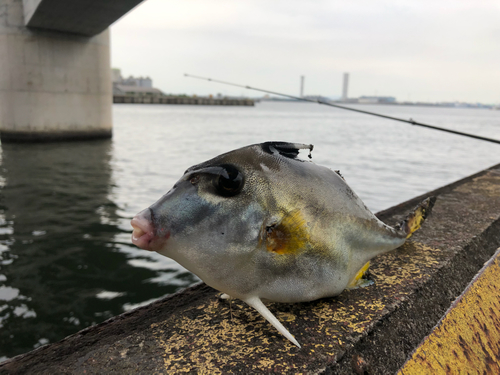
84 17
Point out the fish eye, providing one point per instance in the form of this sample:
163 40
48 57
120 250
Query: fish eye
229 182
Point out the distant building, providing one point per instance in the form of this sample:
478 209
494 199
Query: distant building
377 100
134 90
116 75
132 85
320 98
137 81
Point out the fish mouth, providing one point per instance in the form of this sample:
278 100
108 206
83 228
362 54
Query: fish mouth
143 233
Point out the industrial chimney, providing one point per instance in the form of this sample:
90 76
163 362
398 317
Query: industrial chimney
345 87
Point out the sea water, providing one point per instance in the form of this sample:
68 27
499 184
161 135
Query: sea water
66 260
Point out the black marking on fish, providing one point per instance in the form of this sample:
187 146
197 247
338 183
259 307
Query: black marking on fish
338 172
286 149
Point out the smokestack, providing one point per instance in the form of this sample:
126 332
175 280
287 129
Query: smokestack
301 86
345 87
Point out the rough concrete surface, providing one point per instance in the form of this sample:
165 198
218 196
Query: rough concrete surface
370 330
467 339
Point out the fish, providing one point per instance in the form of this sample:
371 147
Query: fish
259 223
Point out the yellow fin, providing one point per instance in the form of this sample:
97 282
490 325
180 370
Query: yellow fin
357 280
415 219
414 224
289 235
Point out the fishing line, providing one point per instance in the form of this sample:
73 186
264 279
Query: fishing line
410 121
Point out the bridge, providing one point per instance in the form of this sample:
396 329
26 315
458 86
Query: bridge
55 76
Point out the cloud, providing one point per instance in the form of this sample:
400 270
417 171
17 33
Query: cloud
439 50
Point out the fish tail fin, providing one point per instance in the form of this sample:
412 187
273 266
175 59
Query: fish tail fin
415 219
257 304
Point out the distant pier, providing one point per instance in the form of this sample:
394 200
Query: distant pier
144 99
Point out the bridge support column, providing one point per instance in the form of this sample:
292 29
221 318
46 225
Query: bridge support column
53 85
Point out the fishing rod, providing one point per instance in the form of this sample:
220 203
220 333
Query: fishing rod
410 121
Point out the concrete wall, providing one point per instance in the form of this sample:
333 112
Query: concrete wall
52 85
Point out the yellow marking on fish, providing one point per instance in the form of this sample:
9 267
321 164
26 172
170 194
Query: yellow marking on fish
289 235
354 282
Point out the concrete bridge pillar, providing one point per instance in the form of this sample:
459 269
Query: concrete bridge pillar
53 85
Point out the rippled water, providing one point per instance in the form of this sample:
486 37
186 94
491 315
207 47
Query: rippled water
66 261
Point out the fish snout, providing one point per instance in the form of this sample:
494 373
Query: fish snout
144 231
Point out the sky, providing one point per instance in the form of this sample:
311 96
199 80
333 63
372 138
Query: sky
416 50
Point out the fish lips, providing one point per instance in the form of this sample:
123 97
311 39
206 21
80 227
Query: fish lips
144 235
154 225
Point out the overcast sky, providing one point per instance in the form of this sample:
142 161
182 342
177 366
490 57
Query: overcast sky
439 50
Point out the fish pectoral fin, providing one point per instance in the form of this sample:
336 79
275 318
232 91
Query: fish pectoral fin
358 281
225 296
257 304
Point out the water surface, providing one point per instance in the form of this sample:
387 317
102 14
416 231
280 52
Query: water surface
66 261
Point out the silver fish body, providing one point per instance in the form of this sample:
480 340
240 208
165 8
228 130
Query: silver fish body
259 223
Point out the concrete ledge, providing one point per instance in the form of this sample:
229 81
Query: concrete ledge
467 339
53 136
370 330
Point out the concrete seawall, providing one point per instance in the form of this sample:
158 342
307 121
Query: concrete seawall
129 99
371 330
